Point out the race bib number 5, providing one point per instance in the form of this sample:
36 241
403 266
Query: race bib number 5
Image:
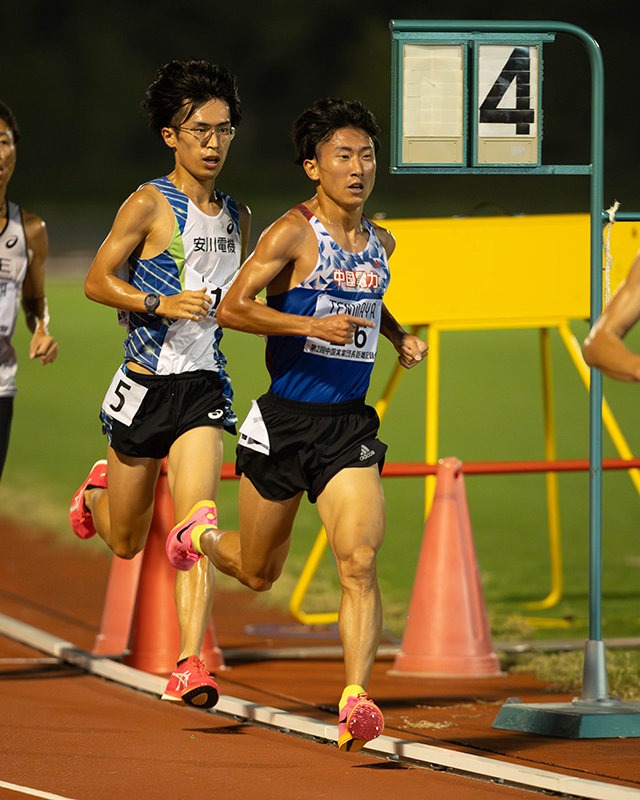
365 340
123 398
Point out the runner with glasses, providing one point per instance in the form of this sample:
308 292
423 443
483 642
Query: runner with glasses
174 248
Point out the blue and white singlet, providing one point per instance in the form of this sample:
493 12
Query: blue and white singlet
204 251
313 370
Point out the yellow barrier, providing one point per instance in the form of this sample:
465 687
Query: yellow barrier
501 271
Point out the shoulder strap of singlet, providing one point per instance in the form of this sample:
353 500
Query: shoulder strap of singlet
304 211
177 200
14 216
308 215
232 208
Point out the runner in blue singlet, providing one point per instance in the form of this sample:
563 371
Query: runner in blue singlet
324 267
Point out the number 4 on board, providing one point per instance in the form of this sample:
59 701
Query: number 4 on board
517 68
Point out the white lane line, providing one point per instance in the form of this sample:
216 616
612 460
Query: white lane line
467 764
13 787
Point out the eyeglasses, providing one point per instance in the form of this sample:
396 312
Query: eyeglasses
203 133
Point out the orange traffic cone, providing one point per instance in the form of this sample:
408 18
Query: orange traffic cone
119 603
447 632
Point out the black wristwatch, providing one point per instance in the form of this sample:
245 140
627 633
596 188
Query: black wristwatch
151 302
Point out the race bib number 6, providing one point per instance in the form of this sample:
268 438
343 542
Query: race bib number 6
123 398
365 340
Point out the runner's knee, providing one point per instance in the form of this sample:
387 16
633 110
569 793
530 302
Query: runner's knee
258 583
126 547
358 566
261 581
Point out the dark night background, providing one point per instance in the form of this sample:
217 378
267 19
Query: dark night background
75 74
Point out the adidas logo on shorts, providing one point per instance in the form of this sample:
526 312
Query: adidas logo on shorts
365 452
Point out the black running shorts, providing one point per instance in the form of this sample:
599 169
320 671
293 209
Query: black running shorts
173 405
309 443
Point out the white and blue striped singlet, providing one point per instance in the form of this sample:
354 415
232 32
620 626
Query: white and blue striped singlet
204 251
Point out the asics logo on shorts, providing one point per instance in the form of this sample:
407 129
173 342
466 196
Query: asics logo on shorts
365 452
215 414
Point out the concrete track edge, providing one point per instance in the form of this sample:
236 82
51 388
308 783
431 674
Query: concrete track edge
401 750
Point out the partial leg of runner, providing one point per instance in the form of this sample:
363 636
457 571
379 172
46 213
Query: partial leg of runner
256 553
193 472
352 510
121 514
6 415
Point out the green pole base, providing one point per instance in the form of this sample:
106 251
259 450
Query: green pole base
579 719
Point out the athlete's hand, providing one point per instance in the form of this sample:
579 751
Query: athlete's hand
185 305
339 328
411 351
44 347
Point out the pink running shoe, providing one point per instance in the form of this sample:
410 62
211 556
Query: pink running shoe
79 515
359 721
180 549
192 684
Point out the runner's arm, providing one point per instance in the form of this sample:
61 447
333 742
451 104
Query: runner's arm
245 229
279 248
411 350
34 301
604 347
133 224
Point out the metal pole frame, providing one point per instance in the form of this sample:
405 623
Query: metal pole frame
595 170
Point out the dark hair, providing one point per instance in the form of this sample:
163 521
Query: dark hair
8 116
318 124
181 87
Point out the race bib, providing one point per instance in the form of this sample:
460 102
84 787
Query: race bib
8 307
123 398
365 340
194 281
253 432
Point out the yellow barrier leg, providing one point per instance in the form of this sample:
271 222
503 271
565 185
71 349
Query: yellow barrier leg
553 514
432 420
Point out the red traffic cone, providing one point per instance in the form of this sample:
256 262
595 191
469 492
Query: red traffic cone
447 632
154 644
119 603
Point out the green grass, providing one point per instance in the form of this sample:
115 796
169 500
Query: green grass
490 409
564 671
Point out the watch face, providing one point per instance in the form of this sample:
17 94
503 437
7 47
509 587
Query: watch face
151 302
